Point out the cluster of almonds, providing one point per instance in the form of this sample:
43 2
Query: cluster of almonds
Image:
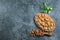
44 22
39 33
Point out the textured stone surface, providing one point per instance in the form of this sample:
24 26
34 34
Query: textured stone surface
16 19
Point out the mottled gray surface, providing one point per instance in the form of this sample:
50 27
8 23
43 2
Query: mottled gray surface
16 19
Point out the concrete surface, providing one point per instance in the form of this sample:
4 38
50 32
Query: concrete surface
16 19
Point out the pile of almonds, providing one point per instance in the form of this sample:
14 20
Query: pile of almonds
39 33
44 22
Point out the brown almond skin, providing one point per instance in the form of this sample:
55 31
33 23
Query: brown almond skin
42 19
40 33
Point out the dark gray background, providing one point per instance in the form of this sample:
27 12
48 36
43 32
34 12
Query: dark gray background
16 19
